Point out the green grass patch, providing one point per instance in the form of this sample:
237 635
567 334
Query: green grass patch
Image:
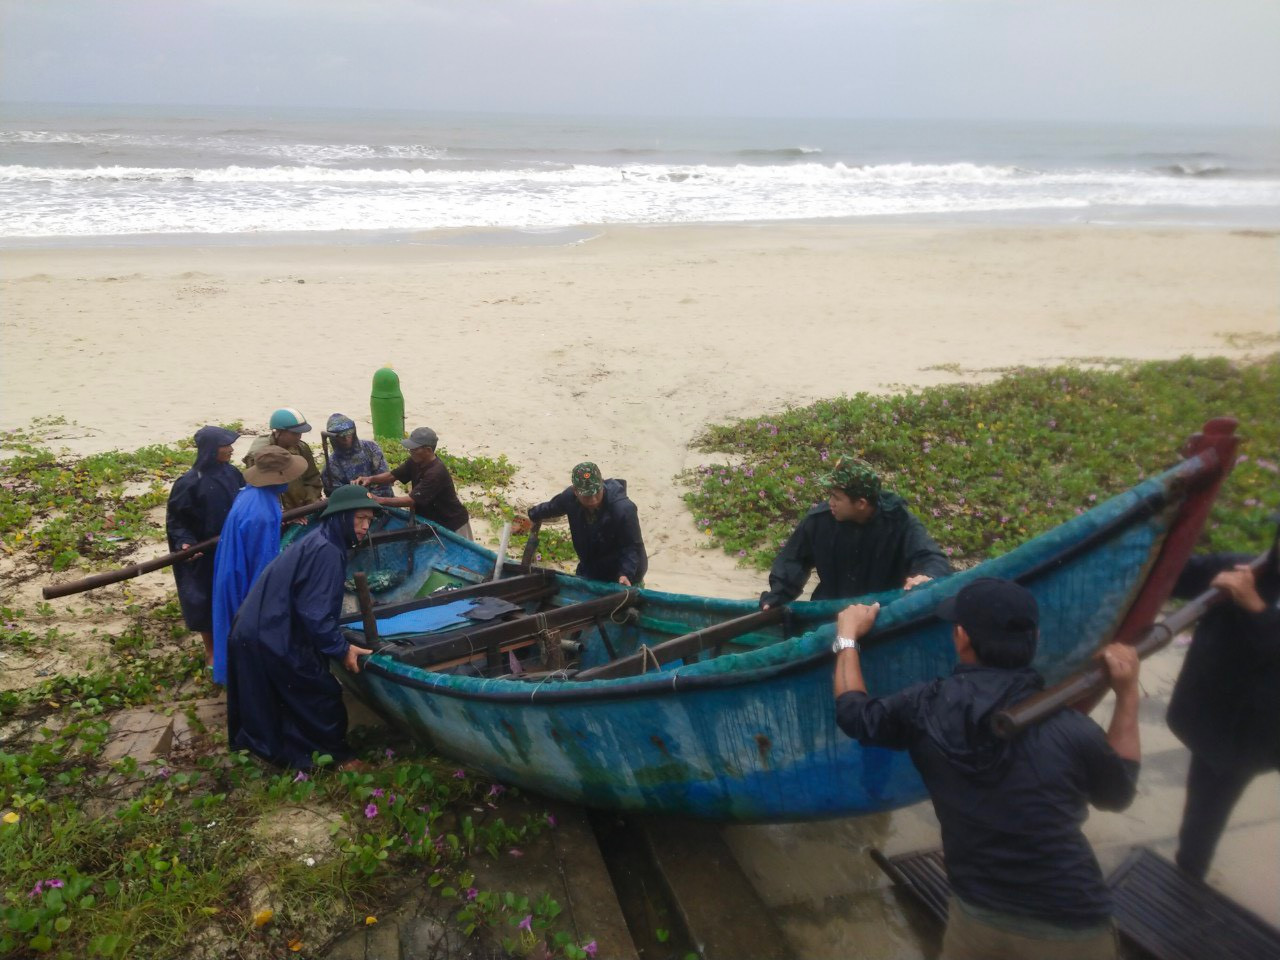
988 467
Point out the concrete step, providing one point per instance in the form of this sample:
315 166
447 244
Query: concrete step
725 917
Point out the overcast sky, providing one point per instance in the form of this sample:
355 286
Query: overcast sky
1140 60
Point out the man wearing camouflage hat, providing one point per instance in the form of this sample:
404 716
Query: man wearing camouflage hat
287 427
350 457
862 540
603 523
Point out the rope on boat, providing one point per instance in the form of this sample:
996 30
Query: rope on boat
647 655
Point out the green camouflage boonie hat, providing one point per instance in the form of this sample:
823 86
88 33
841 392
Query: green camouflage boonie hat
586 479
855 477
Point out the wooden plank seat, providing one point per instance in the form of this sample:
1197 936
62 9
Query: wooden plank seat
682 648
493 641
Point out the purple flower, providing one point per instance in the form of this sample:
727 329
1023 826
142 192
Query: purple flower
1053 424
371 811
551 819
527 923
589 948
516 852
1267 465
742 553
459 774
497 790
378 791
472 893
164 773
388 753
301 777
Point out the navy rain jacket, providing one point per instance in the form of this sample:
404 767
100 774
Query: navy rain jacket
609 544
1011 812
282 701
198 504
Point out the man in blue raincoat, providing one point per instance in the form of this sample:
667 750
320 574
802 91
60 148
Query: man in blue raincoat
198 504
250 541
283 704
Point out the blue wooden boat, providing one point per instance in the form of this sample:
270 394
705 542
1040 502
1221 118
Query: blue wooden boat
665 703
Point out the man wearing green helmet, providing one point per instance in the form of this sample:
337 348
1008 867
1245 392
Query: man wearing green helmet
861 540
287 427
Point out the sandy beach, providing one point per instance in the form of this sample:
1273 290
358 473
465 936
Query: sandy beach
619 349
622 349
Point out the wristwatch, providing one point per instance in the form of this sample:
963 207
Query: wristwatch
846 643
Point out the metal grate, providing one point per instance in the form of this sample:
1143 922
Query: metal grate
1159 909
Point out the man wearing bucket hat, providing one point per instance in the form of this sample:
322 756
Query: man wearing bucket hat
347 457
250 540
861 540
431 491
287 427
198 504
1024 880
283 704
604 525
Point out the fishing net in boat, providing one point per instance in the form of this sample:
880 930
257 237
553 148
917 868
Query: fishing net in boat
385 565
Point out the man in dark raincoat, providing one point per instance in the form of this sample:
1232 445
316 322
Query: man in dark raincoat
604 525
1226 703
250 541
1024 879
283 704
862 540
198 504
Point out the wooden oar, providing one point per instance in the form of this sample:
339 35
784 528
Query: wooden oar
1092 680
56 590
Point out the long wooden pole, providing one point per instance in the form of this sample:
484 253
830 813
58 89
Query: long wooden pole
53 591
370 621
1092 681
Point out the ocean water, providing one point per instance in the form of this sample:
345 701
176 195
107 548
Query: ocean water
121 172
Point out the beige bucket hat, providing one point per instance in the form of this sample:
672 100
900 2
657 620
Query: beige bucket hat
273 465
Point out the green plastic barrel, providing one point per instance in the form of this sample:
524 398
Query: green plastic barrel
386 405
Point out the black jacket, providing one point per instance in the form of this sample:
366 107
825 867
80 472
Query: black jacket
853 559
1226 704
608 542
1010 811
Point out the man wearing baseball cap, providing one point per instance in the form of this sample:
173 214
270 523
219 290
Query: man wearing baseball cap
287 427
861 540
1024 880
431 491
604 525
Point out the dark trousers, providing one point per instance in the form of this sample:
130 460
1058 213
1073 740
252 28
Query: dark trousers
1212 793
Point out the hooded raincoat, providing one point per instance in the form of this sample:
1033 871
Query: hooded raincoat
250 541
364 459
607 540
282 702
854 559
198 504
1011 811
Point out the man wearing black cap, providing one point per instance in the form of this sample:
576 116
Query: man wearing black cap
431 491
1024 880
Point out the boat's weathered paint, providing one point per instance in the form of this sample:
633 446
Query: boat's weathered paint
751 736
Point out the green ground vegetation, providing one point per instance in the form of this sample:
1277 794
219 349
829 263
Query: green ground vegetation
110 858
989 466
